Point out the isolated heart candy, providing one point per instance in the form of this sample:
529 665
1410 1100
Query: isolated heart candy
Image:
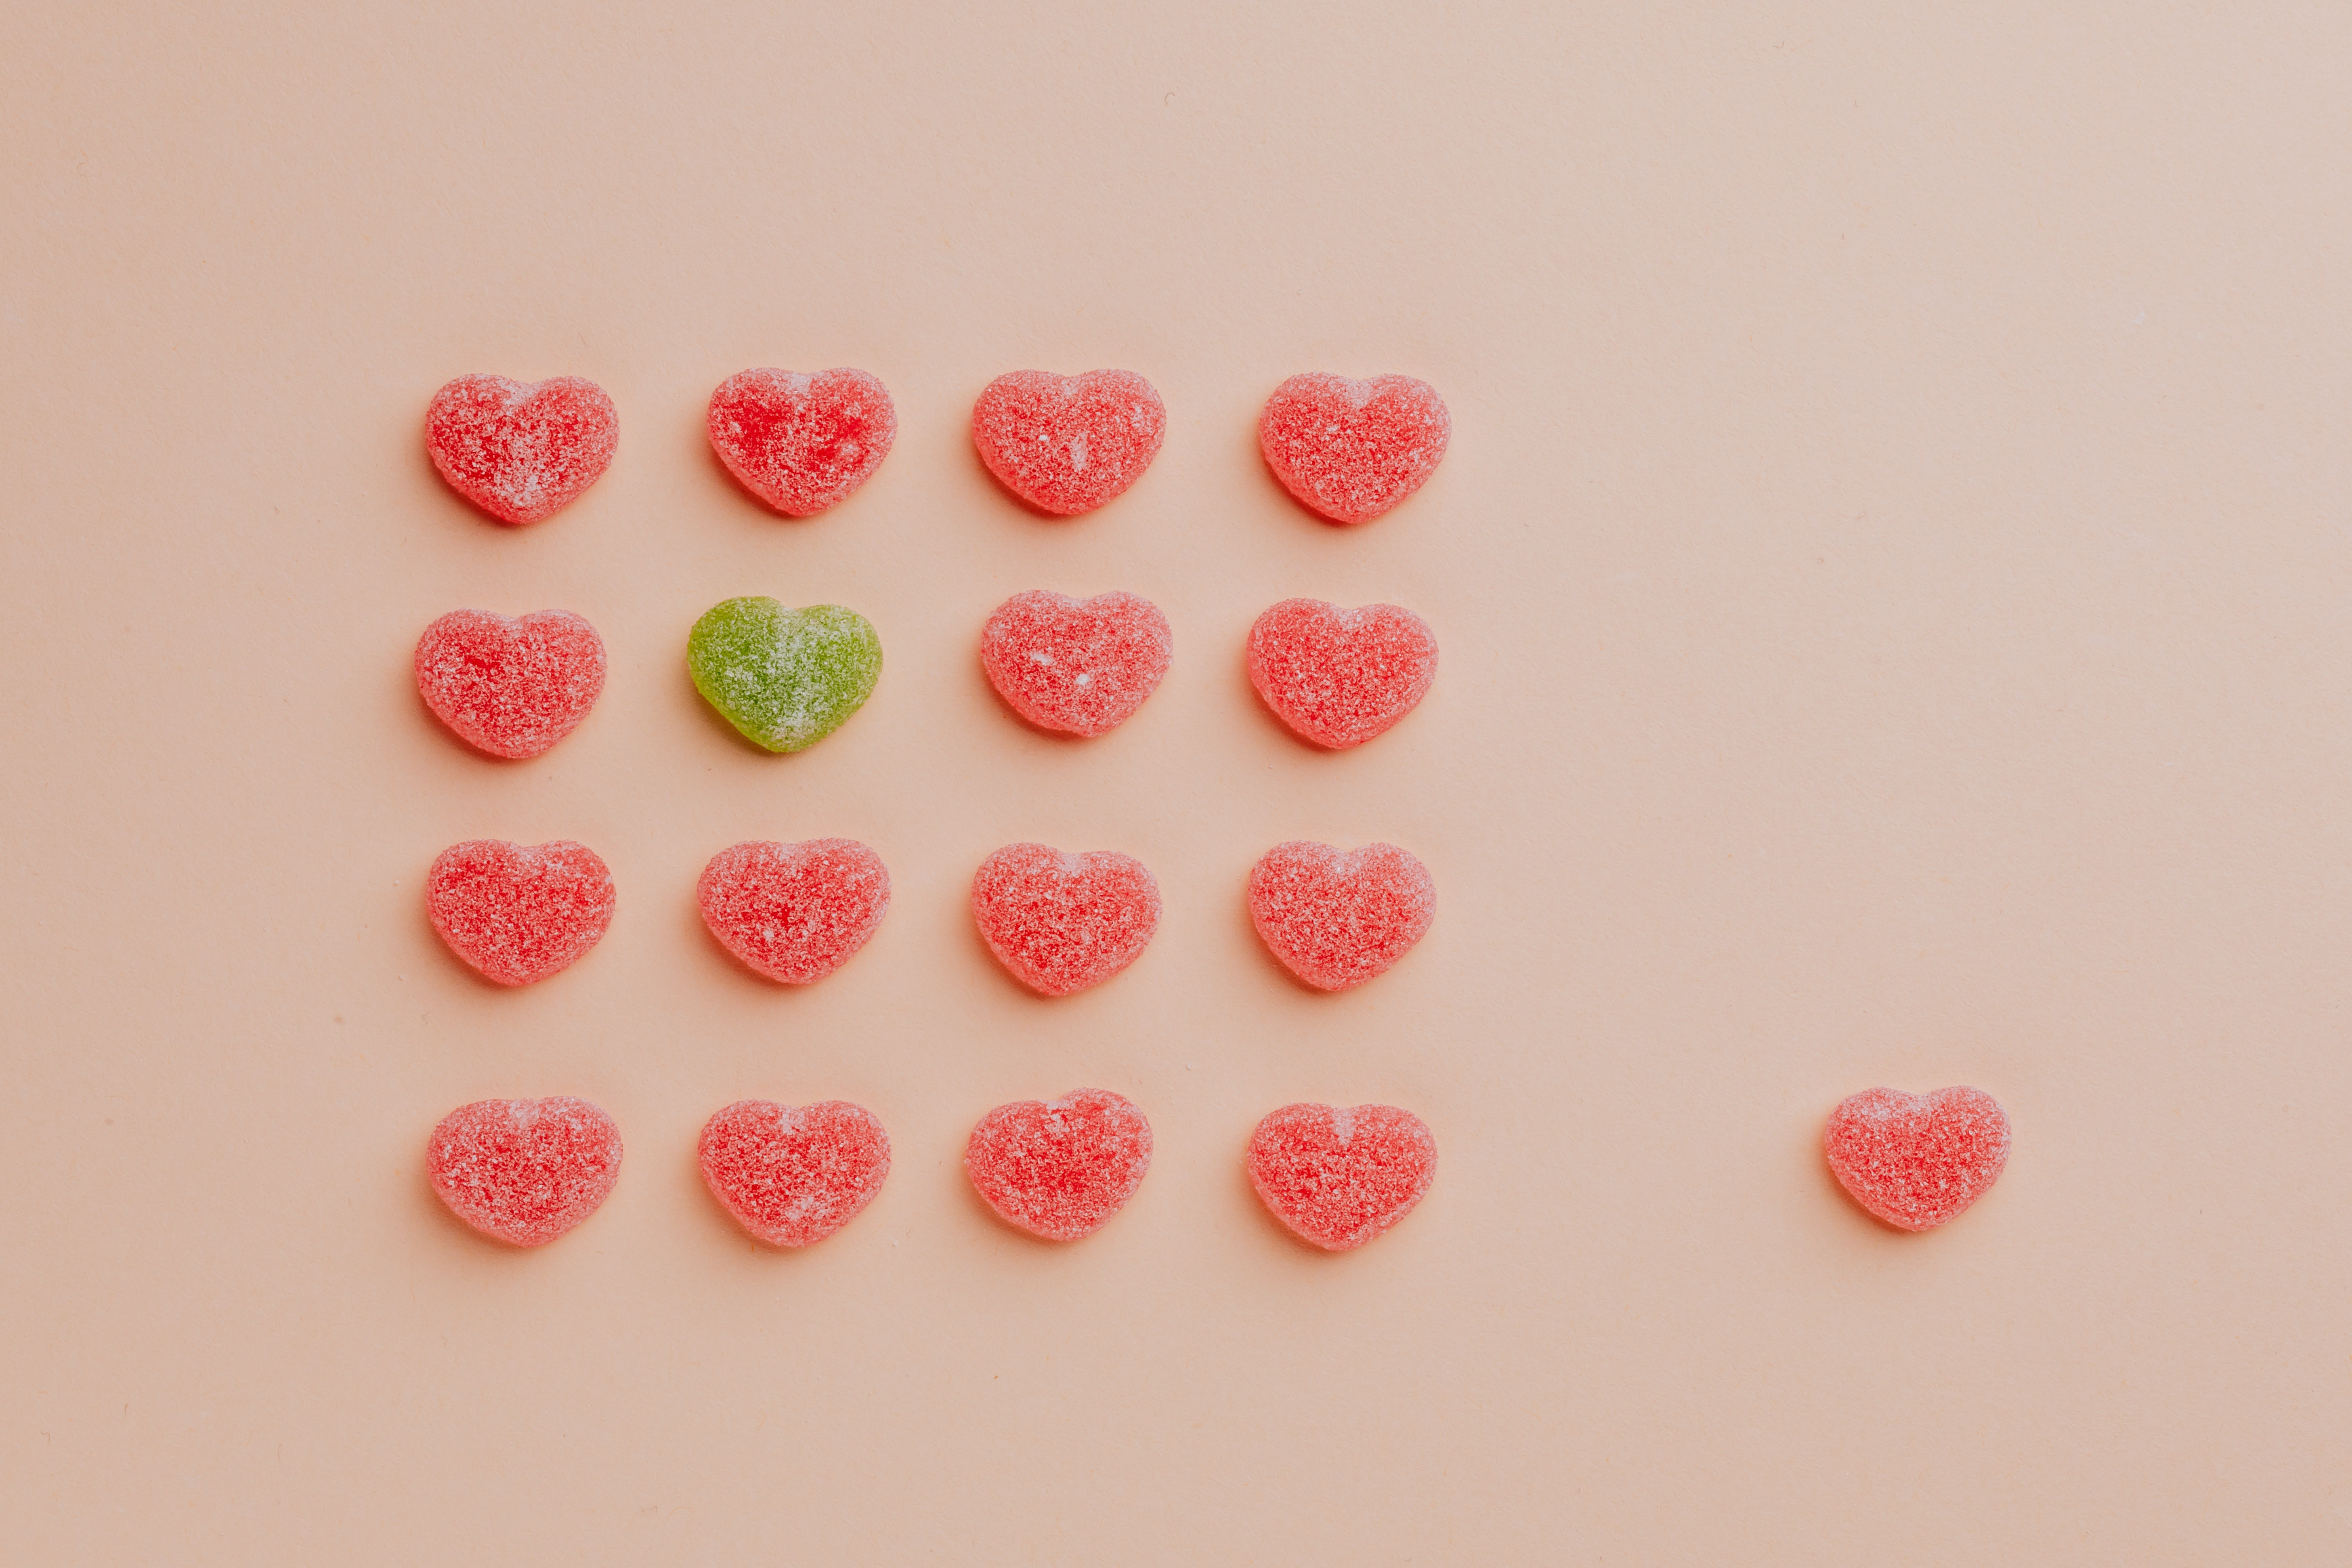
1337 918
794 1174
801 443
521 450
1063 922
1339 1176
513 688
1337 676
1060 1168
1351 449
785 678
1080 666
524 1170
1066 444
795 912
516 912
1915 1161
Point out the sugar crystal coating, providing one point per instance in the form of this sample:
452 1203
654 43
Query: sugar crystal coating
794 1174
511 688
1336 917
795 912
801 443
522 450
1060 1168
1915 1161
517 912
524 1170
1066 444
785 678
1063 922
1080 666
1352 450
1340 676
1339 1176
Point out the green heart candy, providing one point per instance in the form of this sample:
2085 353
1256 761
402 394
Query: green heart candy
786 677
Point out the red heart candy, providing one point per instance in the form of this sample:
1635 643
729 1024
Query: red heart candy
521 450
1059 1168
1351 449
1337 918
519 913
801 443
1915 1161
1340 676
513 688
1066 444
795 912
1076 665
1339 1176
1063 922
524 1170
794 1174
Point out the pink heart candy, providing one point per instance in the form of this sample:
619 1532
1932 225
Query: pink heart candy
1066 444
1916 1161
794 1174
1060 1168
1063 922
524 1170
795 912
511 688
1337 918
1080 666
522 450
1339 676
1339 1176
801 443
516 912
1352 450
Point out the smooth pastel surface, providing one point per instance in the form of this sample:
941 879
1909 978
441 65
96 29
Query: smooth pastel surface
786 677
1066 444
1916 1161
1078 665
794 1174
1338 1175
522 450
1337 916
1059 1168
799 442
1061 922
1340 676
517 912
510 686
524 1170
795 912
1352 450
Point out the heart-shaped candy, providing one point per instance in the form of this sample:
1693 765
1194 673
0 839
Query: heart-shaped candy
794 1174
802 442
1060 1168
1066 444
513 688
1915 1161
1340 676
795 912
1351 449
521 450
1337 918
524 1170
1080 666
1063 922
785 678
517 912
1339 1176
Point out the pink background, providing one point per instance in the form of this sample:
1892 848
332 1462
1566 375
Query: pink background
1892 572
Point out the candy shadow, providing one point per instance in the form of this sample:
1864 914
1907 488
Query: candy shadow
1267 1222
1836 1189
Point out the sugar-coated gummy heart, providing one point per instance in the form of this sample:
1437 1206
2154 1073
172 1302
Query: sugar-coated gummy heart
795 912
522 450
800 442
524 1170
794 1174
519 913
1066 444
1351 449
1915 1161
1081 666
786 677
512 687
1063 922
1339 1176
1060 1168
1340 676
1336 917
